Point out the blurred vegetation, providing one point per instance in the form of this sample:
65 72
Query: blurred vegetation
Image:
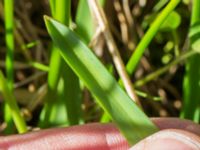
48 92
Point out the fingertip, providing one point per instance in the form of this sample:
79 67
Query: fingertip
177 123
172 139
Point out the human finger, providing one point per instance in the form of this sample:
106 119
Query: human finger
170 139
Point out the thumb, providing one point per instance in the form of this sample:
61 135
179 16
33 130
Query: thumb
173 139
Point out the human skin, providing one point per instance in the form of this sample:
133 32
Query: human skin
175 134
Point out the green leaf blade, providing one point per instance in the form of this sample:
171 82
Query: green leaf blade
12 104
63 101
191 86
85 30
132 122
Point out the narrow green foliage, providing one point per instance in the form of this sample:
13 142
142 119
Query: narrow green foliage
63 11
9 25
84 20
72 96
140 49
61 99
29 45
159 5
162 70
52 6
124 112
9 41
191 108
195 12
11 102
105 118
39 66
85 30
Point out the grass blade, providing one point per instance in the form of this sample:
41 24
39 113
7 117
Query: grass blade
61 99
85 30
52 6
10 100
191 87
9 25
136 56
124 112
83 13
155 74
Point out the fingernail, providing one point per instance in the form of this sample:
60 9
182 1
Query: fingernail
169 140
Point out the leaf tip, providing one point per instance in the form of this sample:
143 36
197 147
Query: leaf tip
46 18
